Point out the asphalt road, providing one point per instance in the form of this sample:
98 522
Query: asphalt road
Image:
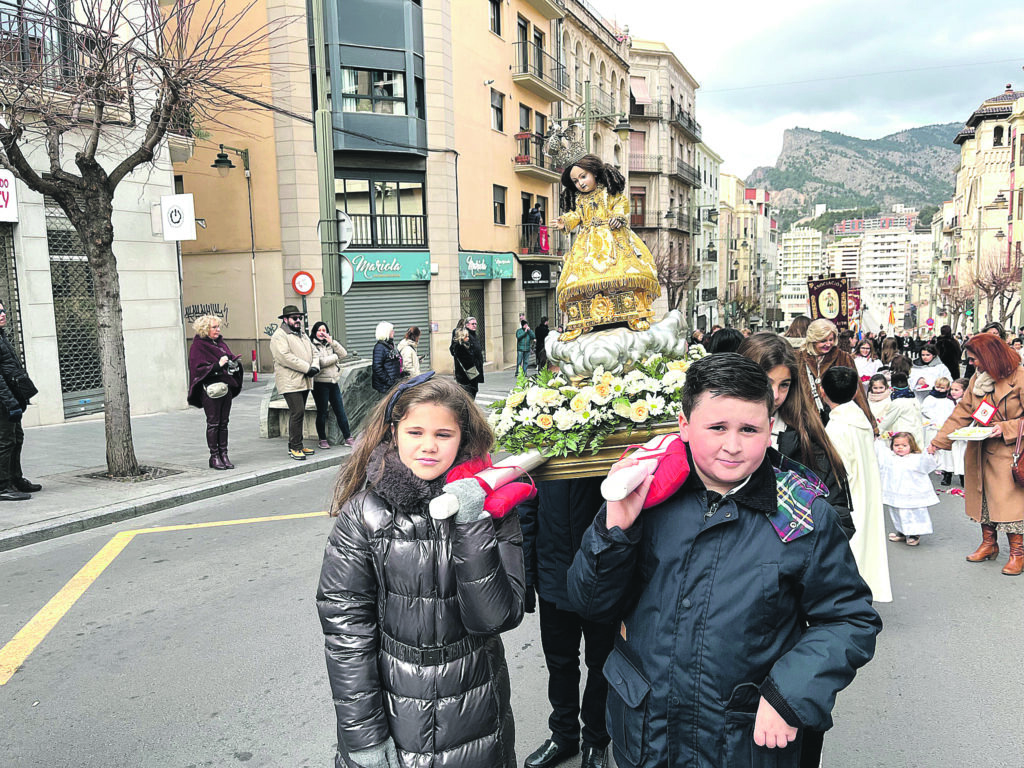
201 647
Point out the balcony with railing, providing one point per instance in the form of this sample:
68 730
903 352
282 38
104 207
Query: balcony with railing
601 103
685 122
663 220
686 173
530 159
644 163
542 240
549 9
388 230
539 72
56 60
652 111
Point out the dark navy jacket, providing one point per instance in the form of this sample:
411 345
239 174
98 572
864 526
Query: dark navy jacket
722 604
554 522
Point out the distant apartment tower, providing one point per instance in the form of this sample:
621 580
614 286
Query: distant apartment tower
843 255
707 240
885 256
801 255
904 220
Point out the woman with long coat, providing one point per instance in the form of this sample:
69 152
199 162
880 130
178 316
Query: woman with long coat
466 360
819 353
210 362
992 498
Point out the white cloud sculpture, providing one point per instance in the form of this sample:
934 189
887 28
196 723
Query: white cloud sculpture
617 349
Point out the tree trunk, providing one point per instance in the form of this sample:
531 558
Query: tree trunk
98 236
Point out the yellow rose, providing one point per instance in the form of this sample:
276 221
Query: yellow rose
639 411
516 399
678 365
602 392
607 378
544 421
579 403
549 397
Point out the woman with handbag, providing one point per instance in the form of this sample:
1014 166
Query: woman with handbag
214 379
467 371
326 391
993 477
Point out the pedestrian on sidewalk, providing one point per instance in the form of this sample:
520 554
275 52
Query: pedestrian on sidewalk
553 525
387 362
524 338
16 389
214 380
326 392
295 365
412 608
542 337
408 348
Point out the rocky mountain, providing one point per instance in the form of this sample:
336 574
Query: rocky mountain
914 167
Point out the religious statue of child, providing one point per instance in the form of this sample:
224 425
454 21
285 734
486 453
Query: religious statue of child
609 275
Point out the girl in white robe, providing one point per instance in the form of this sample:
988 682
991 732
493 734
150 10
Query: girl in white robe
935 409
906 487
952 461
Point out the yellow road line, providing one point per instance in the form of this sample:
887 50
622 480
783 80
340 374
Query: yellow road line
13 655
219 523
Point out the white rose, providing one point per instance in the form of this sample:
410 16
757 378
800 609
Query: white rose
673 380
565 419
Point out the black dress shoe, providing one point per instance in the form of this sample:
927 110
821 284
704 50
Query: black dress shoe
13 495
25 486
550 753
594 758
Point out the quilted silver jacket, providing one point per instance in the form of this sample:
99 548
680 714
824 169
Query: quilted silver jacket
396 584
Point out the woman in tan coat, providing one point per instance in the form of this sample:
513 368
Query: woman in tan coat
992 498
819 353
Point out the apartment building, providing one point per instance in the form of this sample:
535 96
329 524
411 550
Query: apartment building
842 256
663 177
801 255
707 242
885 267
752 277
985 182
46 283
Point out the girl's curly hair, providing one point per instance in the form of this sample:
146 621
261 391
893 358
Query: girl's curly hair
604 174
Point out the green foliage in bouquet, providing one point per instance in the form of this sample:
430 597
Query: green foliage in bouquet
562 418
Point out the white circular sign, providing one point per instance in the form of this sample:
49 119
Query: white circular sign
347 275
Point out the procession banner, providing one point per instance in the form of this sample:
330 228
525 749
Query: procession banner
830 299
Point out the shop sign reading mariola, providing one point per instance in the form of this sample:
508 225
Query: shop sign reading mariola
390 266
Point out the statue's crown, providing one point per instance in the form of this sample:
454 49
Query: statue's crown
565 145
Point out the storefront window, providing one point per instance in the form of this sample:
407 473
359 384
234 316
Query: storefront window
373 90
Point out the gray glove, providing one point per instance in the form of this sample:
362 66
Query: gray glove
471 499
382 756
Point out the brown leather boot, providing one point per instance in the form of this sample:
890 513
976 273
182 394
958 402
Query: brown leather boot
989 547
1016 562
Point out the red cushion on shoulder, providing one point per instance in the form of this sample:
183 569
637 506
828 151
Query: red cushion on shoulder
673 469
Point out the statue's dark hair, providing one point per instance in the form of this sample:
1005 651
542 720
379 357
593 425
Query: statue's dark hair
726 375
606 175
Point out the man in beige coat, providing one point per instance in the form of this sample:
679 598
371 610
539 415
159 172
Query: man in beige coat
295 365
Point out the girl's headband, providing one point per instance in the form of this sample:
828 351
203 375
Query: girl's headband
405 385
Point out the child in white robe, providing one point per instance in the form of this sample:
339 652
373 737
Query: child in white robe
951 462
935 409
906 487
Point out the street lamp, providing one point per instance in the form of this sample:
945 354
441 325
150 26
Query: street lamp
224 165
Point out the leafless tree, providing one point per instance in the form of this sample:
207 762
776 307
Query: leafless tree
957 297
88 91
677 274
999 285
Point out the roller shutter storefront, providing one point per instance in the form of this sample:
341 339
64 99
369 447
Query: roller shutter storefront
402 304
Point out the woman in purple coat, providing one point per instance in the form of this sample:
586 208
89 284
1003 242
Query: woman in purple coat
214 378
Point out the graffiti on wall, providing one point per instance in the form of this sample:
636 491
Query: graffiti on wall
194 311
269 329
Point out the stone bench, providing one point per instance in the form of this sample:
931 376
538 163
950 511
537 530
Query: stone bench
357 394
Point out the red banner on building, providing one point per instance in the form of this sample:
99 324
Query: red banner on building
543 236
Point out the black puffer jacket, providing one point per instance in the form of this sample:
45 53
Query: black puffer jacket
387 366
391 573
11 397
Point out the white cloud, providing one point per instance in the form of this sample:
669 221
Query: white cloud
862 67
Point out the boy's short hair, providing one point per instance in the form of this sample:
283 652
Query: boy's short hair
900 380
726 374
840 383
942 381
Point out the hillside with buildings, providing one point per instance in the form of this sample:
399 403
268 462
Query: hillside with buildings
914 167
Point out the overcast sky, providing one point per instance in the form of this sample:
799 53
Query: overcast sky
865 68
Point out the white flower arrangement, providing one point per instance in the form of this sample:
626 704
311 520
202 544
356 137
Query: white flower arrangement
559 418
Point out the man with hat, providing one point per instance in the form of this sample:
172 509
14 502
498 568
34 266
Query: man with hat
294 369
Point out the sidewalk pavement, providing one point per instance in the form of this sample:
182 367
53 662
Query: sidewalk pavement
60 456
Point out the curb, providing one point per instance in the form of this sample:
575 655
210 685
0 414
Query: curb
25 535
